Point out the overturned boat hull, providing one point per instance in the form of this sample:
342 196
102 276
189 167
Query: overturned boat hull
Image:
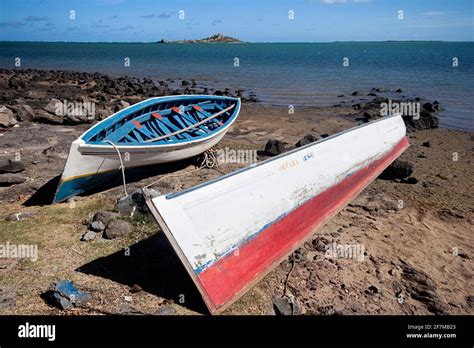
263 213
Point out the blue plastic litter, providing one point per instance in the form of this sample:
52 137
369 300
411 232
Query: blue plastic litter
66 295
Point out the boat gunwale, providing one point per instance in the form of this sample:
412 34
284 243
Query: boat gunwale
254 165
148 102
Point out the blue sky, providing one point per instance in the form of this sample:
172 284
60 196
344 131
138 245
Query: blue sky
255 20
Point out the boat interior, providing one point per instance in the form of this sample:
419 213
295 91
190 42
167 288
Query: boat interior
165 122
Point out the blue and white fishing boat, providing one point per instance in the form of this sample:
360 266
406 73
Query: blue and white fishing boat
157 130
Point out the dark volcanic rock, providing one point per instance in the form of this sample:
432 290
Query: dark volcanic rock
307 139
122 104
165 310
36 94
135 288
105 217
16 83
370 115
55 107
11 166
411 181
97 226
42 116
470 300
422 288
11 179
371 290
398 170
90 235
428 107
118 229
285 306
425 121
358 106
274 147
24 112
21 216
6 117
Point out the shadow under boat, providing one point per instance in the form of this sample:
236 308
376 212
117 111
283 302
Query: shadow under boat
45 194
153 265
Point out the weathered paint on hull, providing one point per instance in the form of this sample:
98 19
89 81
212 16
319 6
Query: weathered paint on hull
262 213
228 277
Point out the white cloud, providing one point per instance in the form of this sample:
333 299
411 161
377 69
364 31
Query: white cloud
433 13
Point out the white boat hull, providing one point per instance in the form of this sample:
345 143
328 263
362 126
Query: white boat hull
86 161
262 213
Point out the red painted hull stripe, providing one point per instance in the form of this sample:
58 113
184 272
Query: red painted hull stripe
157 115
176 109
137 124
226 278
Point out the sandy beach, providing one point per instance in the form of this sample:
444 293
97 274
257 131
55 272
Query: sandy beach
416 233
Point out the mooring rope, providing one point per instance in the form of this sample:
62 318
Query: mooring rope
288 275
209 161
122 167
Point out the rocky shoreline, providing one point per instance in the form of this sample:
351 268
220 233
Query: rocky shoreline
418 252
32 95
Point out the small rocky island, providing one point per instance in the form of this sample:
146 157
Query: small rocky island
217 38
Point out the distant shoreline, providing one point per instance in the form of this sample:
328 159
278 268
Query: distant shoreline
243 42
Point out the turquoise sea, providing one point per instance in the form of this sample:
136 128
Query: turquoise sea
301 74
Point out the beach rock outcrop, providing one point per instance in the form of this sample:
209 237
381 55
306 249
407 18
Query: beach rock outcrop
398 170
7 118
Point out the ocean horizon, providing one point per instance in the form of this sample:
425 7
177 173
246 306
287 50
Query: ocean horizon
303 74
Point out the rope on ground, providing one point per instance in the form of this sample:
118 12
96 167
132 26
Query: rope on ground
122 167
209 161
288 275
